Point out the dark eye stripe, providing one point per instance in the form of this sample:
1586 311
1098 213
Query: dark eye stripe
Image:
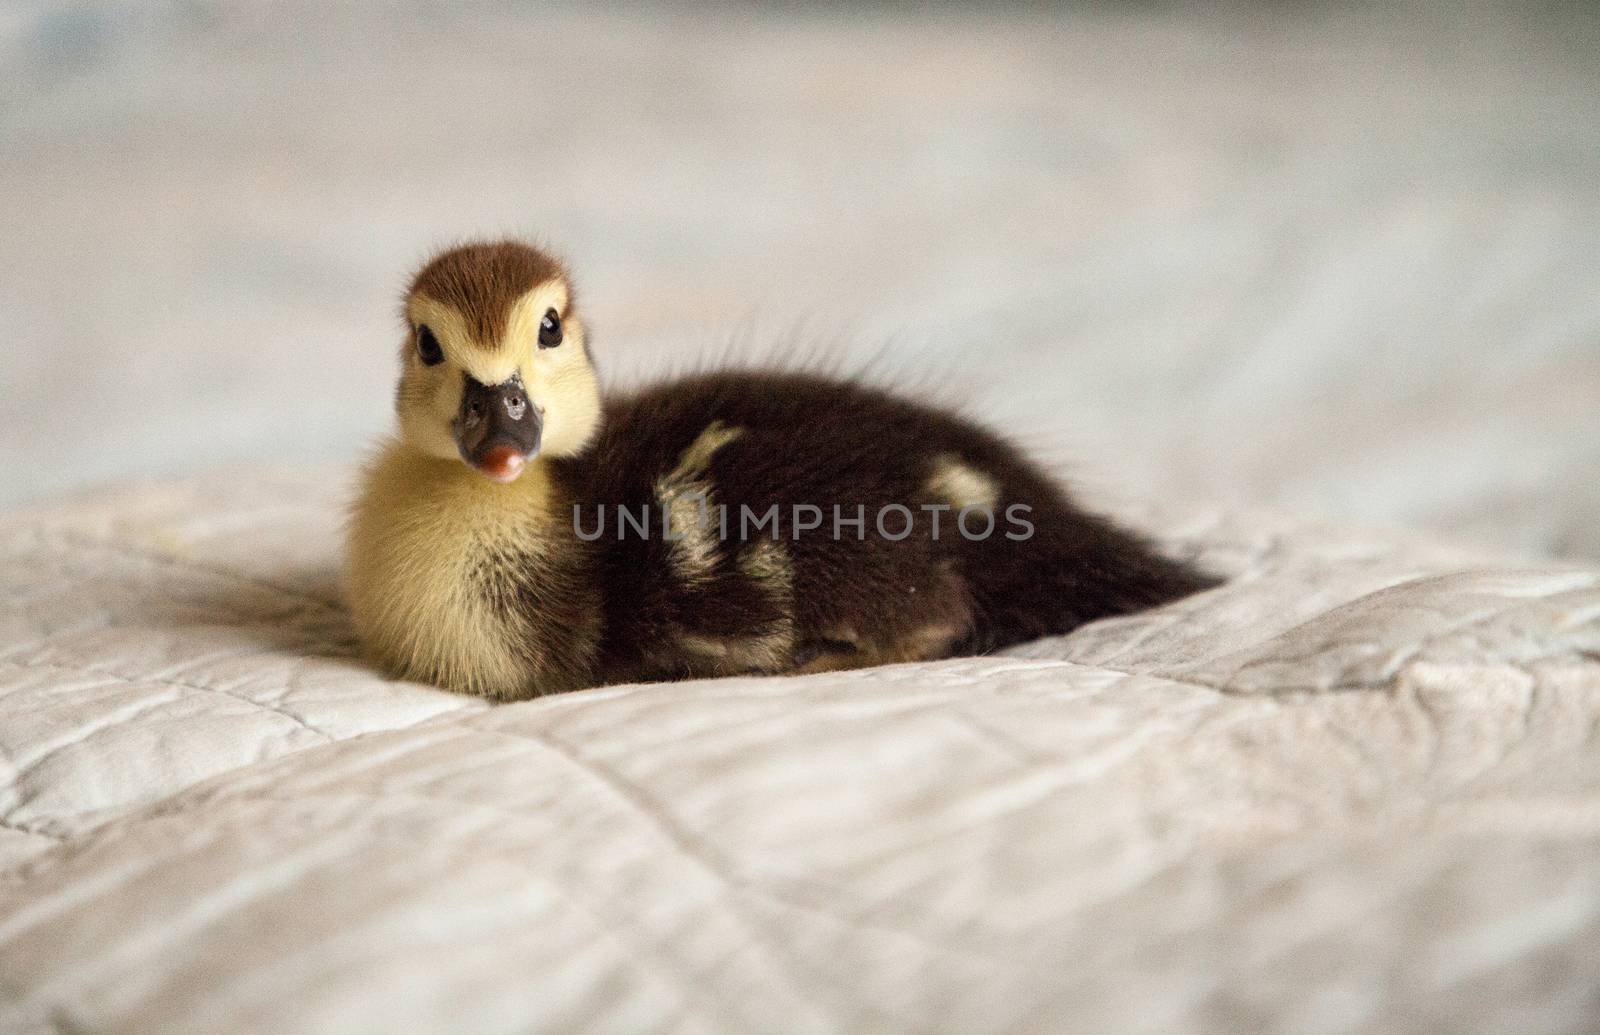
428 348
550 330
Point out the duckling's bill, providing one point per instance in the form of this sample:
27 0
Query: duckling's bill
498 428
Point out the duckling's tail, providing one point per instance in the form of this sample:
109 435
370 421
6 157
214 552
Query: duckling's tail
1079 568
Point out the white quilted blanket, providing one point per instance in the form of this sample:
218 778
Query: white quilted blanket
1357 788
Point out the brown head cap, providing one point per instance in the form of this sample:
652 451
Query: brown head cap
482 281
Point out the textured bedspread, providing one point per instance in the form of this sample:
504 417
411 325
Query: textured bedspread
1357 788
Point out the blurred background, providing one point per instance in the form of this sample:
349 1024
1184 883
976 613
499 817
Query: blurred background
1340 259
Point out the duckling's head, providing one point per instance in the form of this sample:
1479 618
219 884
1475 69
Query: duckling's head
495 369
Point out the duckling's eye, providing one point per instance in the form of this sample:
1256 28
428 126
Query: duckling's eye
550 330
428 349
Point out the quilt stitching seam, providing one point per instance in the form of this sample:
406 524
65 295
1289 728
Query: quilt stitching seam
62 540
181 684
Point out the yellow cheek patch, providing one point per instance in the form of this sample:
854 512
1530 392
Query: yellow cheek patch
426 405
570 398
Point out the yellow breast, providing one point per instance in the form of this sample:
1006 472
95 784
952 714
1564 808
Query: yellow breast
421 534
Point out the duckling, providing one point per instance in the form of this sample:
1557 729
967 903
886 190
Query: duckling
522 534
